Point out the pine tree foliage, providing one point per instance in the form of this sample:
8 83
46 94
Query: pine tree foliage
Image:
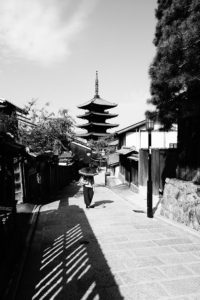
175 70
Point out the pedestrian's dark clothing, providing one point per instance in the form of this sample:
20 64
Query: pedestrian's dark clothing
88 189
88 195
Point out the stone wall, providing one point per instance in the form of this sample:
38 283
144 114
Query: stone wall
181 202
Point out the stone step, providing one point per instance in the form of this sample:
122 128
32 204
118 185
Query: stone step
113 181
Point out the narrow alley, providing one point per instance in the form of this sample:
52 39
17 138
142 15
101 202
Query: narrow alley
108 252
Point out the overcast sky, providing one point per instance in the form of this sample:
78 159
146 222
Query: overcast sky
51 49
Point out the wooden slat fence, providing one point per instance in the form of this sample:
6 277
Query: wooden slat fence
44 183
164 164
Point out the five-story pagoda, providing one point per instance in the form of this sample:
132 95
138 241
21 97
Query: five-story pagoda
96 114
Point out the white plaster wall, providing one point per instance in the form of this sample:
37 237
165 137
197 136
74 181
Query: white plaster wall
171 137
133 139
144 139
158 139
117 171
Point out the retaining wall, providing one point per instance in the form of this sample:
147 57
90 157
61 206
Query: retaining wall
181 202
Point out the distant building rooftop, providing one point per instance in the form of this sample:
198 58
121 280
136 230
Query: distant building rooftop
4 103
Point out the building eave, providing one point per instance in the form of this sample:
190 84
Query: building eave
97 114
107 125
92 134
98 102
131 127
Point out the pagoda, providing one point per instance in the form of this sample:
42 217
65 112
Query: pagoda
96 114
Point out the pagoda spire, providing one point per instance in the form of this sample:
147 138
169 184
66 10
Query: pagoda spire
97 86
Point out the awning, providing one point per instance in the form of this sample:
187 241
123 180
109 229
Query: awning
134 157
126 150
113 143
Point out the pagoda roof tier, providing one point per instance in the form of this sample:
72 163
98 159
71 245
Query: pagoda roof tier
89 114
95 124
97 103
92 135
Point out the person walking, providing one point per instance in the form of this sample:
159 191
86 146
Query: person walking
88 189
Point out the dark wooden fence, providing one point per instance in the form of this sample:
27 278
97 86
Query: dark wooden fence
129 170
134 172
164 164
42 183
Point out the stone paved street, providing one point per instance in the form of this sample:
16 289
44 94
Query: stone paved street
108 252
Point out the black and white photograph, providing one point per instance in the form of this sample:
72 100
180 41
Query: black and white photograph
100 149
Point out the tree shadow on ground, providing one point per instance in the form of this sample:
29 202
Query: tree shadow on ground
65 260
13 238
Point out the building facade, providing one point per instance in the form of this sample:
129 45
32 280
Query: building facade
136 135
132 167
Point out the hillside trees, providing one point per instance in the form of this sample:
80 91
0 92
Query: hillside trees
47 131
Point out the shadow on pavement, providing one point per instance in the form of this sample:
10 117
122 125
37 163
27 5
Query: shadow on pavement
66 260
13 239
98 203
140 211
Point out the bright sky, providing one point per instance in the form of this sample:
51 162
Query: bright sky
51 49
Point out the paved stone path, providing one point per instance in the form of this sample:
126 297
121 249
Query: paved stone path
108 252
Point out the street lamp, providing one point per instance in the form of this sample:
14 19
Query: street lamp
149 128
89 158
103 153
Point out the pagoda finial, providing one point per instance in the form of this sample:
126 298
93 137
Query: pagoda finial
97 85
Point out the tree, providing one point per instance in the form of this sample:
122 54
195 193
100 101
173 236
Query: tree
175 70
175 78
100 148
101 143
46 131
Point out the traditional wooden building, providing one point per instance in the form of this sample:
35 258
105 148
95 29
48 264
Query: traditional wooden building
96 114
132 166
11 153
